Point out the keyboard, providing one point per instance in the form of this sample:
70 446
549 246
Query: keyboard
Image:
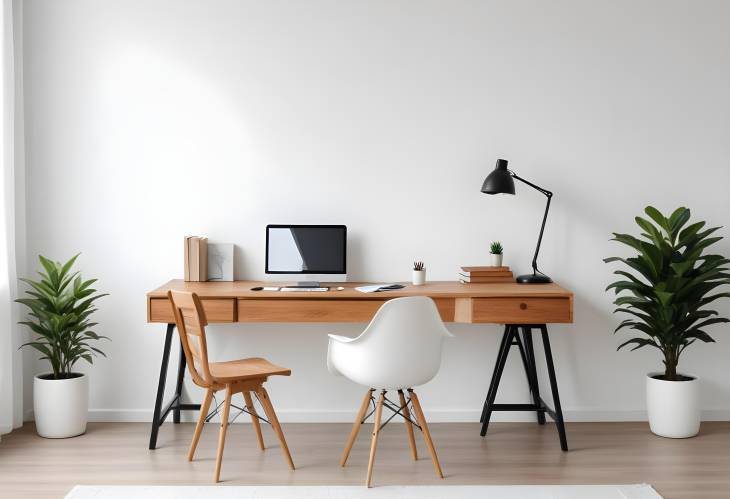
306 290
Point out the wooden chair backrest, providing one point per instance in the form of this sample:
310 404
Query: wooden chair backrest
190 320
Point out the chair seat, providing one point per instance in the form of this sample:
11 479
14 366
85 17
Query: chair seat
252 368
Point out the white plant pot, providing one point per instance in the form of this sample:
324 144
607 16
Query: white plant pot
419 277
60 406
673 406
496 259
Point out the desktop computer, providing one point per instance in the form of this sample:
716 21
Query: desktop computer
306 249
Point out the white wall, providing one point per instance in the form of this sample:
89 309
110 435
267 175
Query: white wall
149 120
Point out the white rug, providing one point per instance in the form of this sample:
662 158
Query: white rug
641 491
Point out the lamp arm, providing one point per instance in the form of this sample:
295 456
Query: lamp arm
536 187
549 196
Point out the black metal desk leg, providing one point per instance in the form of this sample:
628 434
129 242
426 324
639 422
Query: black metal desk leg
501 360
532 370
179 385
559 422
523 355
494 374
161 386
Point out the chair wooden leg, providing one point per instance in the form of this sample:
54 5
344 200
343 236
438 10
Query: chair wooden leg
201 421
271 414
356 426
426 434
222 435
254 419
408 425
376 432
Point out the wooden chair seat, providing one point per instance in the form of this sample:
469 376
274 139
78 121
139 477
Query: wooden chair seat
243 369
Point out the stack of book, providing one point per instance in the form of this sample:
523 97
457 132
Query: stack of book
196 258
485 274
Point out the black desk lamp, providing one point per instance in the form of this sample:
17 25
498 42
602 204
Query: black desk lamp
500 181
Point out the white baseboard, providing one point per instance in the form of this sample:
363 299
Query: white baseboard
435 416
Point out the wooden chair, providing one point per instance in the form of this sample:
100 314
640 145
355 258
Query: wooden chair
244 376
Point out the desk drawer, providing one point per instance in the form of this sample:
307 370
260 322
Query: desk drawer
216 310
521 310
307 310
314 310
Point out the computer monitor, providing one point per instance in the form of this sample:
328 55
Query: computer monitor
306 249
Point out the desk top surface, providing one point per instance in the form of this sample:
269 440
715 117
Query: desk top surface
435 289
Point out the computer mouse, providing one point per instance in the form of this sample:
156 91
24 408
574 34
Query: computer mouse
257 288
340 288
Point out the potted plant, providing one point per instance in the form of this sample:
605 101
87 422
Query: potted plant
496 250
60 304
419 274
665 290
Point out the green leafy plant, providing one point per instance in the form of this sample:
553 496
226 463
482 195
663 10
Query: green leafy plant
668 284
496 248
418 266
60 304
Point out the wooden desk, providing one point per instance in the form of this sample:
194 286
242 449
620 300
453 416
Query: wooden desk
469 303
517 306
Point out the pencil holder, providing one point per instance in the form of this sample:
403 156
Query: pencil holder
419 274
419 277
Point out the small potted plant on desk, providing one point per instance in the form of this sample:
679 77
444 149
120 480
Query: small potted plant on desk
496 250
419 274
665 290
60 304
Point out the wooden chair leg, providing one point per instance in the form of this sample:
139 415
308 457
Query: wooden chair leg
222 435
376 432
356 426
426 434
271 414
254 419
409 426
204 408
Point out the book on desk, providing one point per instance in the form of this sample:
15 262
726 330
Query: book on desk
485 274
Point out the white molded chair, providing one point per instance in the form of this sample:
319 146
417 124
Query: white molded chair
400 349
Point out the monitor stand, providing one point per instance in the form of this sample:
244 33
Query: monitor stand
306 284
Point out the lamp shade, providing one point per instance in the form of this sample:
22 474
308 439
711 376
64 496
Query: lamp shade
500 181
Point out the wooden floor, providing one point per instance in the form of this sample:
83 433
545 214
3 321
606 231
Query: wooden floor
512 453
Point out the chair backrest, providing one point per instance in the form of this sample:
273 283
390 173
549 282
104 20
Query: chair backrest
190 320
401 347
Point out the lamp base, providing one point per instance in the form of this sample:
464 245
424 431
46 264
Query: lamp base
533 279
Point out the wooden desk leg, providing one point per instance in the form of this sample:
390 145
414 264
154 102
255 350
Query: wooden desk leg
161 386
559 422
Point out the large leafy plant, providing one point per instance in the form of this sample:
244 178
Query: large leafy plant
60 304
668 284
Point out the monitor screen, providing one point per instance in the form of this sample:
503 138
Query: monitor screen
306 249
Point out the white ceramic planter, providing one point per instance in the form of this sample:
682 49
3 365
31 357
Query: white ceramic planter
60 406
496 259
419 277
673 406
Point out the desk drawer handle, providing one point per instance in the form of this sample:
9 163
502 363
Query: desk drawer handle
523 306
